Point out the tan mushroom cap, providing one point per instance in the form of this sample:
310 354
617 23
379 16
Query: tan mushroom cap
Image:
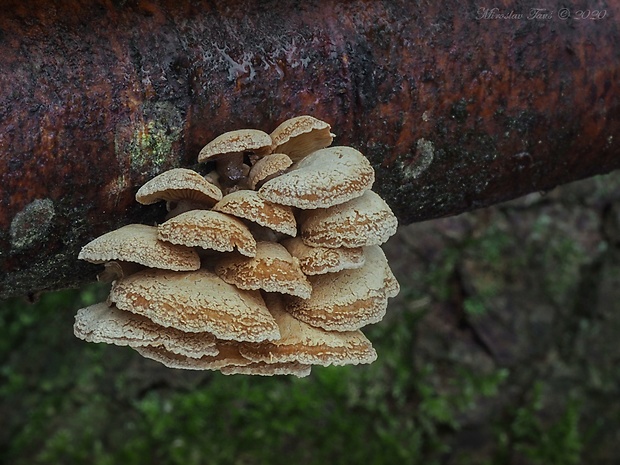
324 178
196 302
100 323
268 369
268 166
248 205
305 344
300 136
208 230
347 300
366 220
242 140
392 287
228 355
138 243
273 270
321 260
179 184
118 269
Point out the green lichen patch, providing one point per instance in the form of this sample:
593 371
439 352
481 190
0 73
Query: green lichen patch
149 143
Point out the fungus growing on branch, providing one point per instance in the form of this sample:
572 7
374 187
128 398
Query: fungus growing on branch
276 272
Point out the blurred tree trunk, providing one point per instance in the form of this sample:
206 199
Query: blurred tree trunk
457 107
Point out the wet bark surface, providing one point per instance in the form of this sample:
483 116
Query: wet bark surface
455 107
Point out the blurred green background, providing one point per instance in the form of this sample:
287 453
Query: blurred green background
502 348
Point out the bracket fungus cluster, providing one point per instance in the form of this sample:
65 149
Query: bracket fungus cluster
267 264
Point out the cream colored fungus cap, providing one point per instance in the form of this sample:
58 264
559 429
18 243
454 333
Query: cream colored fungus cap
248 205
239 141
208 230
100 323
366 220
179 184
196 302
138 243
324 178
267 167
347 300
300 136
273 269
321 260
305 344
228 355
268 369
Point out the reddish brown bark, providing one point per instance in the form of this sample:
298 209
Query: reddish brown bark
455 107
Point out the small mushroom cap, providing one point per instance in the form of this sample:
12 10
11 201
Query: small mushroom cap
208 230
117 269
242 140
100 323
228 355
300 136
138 243
347 300
268 369
324 178
366 220
196 302
179 184
248 205
321 260
303 343
273 270
268 166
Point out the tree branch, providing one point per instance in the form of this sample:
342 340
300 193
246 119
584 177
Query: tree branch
457 107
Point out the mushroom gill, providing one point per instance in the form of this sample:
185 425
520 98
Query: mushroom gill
276 272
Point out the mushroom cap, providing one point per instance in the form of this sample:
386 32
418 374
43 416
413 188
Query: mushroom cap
347 300
100 323
300 136
208 230
270 165
179 184
321 260
196 302
138 243
306 344
227 355
366 220
248 205
242 140
268 369
324 178
273 269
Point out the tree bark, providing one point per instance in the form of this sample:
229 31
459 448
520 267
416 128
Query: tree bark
457 106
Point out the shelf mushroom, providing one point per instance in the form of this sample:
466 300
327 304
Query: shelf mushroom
248 205
268 167
366 220
273 269
227 355
347 300
300 136
179 185
138 243
101 323
320 260
306 344
196 301
209 230
324 178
